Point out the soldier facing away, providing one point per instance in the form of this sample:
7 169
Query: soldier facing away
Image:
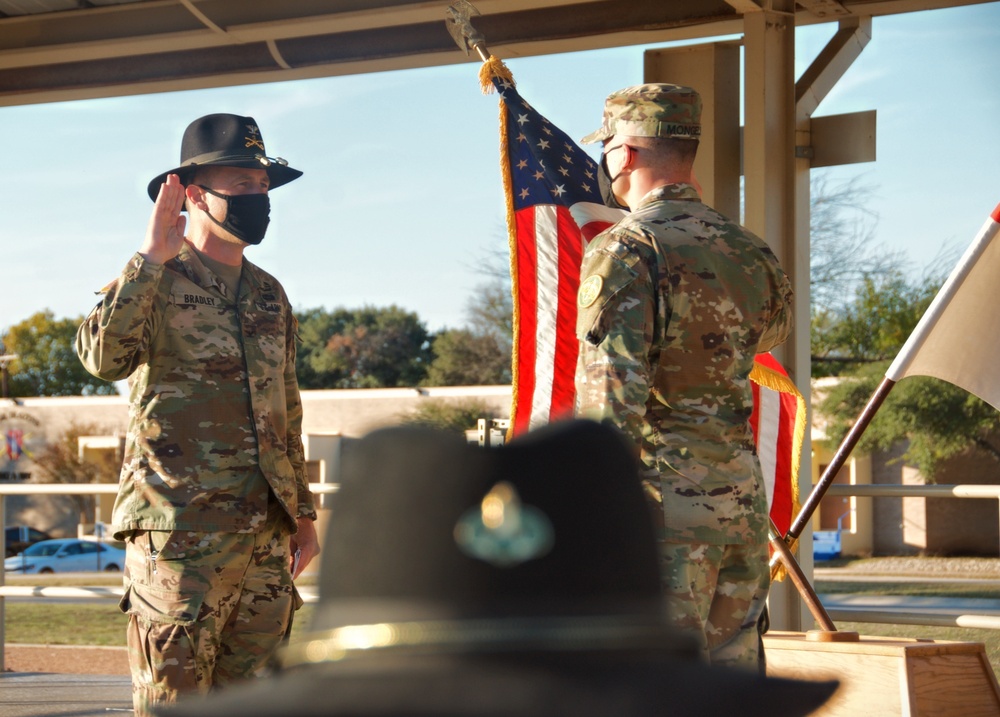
675 301
213 501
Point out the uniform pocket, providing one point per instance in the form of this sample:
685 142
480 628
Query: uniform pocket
155 605
164 654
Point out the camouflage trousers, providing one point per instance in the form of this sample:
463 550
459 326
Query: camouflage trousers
717 593
205 609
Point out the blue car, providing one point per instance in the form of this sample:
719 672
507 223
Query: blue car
68 555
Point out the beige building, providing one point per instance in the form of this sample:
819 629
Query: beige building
331 418
910 525
881 526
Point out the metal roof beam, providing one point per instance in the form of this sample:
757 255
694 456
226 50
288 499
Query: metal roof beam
834 59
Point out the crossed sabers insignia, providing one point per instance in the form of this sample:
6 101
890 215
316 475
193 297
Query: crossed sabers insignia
254 139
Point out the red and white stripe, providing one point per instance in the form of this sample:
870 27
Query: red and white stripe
550 245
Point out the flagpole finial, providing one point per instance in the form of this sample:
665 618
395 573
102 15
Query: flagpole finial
460 27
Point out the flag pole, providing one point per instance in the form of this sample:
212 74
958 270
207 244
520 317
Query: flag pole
782 553
811 503
819 613
898 369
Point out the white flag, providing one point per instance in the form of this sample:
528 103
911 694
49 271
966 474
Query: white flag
958 338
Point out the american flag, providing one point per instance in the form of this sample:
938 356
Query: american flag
554 208
779 427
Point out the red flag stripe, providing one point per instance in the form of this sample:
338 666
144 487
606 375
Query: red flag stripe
567 347
527 301
783 503
549 256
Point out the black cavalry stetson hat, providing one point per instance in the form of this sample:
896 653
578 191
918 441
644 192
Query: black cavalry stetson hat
229 141
519 581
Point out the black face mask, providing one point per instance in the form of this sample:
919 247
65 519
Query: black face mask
247 215
605 182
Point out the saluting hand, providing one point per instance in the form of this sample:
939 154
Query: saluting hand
165 233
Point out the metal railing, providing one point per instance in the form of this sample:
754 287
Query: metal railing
40 591
932 617
929 617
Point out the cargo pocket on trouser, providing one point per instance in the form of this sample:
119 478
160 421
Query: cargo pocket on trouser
163 654
297 602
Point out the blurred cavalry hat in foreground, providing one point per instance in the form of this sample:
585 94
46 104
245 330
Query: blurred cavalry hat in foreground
518 581
228 141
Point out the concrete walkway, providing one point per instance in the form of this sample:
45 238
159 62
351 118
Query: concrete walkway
42 694
56 695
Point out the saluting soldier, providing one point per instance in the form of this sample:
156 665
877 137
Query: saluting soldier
675 301
213 502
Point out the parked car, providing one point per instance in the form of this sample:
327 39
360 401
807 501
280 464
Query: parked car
19 537
66 555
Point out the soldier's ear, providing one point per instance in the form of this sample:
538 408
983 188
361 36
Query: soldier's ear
629 157
195 197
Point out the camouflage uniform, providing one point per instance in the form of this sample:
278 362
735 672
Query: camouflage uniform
675 301
214 473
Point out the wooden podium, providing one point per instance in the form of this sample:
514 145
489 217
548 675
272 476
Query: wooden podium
887 677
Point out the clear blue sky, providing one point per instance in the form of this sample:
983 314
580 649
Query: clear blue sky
401 195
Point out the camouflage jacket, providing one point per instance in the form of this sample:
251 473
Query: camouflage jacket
199 366
675 301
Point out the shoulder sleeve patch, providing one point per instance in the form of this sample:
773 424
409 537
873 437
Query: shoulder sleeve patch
604 276
590 289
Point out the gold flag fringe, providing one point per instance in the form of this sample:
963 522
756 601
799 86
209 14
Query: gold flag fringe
495 68
769 378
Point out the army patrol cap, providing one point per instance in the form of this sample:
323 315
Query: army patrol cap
651 110
225 140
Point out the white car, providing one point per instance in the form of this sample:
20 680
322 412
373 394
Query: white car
66 555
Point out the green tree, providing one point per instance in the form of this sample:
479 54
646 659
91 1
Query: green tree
465 358
480 352
854 280
47 364
938 419
316 326
362 348
874 326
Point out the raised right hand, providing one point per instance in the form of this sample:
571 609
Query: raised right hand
165 232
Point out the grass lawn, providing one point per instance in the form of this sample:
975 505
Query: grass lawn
915 588
58 623
102 624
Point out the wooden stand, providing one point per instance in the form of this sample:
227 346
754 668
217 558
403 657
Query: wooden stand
890 676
